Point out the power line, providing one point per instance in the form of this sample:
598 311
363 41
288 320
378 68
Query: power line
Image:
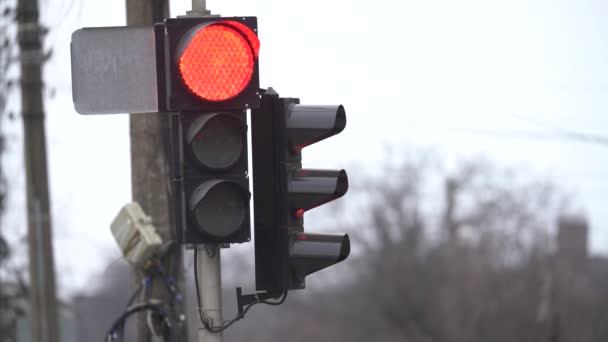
518 134
562 132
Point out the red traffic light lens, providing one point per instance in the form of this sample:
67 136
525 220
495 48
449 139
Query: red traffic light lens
218 63
248 32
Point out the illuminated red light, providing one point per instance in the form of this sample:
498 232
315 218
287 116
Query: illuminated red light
300 213
249 33
218 63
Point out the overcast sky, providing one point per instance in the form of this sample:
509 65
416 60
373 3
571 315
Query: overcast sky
449 75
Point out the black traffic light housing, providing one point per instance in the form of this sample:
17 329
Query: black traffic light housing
208 138
210 200
283 191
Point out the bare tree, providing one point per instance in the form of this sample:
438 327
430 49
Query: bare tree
475 273
5 58
12 291
460 255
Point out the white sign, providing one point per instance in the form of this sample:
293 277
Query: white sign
114 70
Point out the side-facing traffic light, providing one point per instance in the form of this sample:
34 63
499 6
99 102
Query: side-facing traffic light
210 70
284 191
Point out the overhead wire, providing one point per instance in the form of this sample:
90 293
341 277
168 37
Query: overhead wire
560 130
518 134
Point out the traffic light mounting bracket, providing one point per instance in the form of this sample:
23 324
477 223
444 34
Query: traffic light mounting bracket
243 300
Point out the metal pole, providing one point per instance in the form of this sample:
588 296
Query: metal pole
43 300
199 8
199 5
210 282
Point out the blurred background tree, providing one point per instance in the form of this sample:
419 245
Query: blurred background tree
462 255
5 51
10 291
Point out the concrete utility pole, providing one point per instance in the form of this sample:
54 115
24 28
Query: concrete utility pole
149 172
43 307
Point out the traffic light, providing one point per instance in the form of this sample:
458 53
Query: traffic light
208 78
208 63
283 191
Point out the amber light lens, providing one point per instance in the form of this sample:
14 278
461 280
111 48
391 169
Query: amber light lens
217 64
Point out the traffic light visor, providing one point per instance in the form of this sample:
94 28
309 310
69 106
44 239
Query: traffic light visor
216 140
310 253
310 188
217 61
219 207
309 124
